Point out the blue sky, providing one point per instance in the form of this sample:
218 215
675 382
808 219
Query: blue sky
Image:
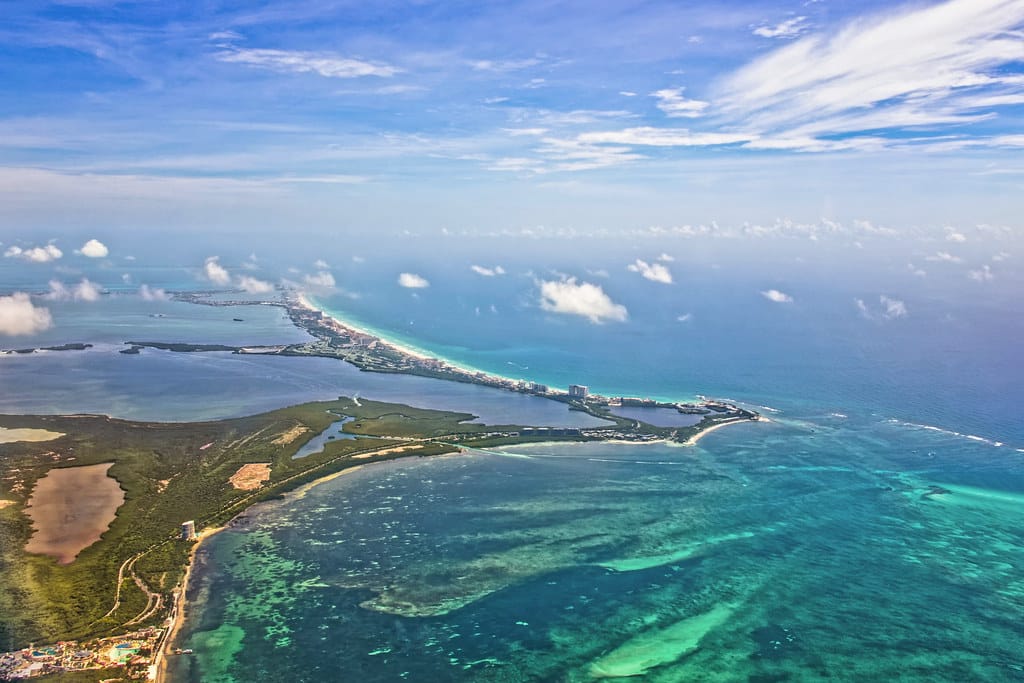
352 118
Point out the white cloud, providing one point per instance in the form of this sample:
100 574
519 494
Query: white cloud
320 264
862 308
893 308
1001 256
983 274
488 272
667 258
944 257
672 102
216 273
85 290
662 137
412 281
19 316
94 249
790 28
325 64
254 286
580 298
323 280
656 272
777 296
153 293
953 236
684 318
889 309
919 272
504 65
42 254
918 67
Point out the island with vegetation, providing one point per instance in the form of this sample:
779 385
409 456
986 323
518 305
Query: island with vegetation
99 576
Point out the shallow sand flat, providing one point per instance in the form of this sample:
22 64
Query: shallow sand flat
70 508
34 435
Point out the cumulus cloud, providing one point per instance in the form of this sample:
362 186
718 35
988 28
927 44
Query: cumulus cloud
85 290
19 316
684 318
320 264
672 102
488 272
983 274
215 272
254 286
322 280
656 272
862 308
893 308
580 298
412 281
777 296
953 236
919 272
94 249
153 293
888 309
943 257
43 254
666 258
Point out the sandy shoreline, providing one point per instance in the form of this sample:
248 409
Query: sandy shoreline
692 441
398 347
158 669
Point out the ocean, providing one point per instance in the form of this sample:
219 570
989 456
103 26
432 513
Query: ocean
869 531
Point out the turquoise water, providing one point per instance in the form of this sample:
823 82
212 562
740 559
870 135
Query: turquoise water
811 548
871 531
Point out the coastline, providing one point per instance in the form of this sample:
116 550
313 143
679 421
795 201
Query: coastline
692 441
304 301
158 668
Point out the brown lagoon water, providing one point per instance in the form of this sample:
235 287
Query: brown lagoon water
70 508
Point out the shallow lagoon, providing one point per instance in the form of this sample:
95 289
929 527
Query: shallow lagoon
763 554
167 386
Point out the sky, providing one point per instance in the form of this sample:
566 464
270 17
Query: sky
331 117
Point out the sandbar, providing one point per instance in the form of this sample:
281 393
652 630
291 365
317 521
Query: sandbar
26 434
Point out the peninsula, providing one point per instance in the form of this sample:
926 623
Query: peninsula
334 338
110 599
